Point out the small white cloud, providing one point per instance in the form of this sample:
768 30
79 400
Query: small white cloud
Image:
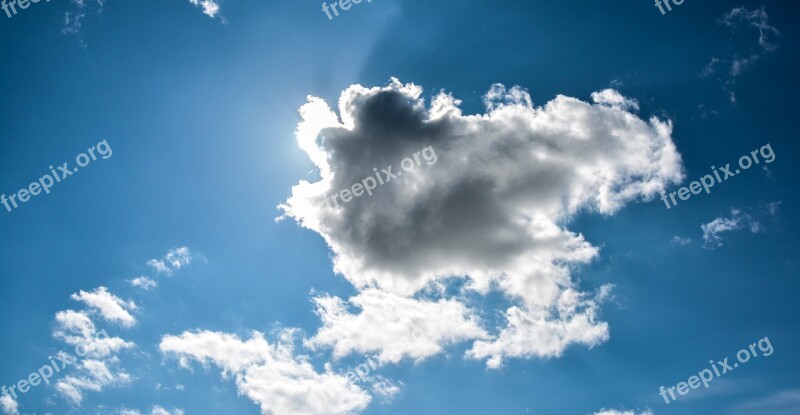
677 240
8 405
73 17
384 388
740 64
175 259
93 375
710 69
72 22
614 99
74 324
159 410
77 329
546 331
144 283
712 231
772 207
616 412
210 7
110 307
179 257
159 266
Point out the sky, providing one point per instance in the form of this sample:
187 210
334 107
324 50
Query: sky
398 207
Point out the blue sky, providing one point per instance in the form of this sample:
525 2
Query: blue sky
531 269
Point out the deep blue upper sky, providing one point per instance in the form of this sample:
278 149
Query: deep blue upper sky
201 116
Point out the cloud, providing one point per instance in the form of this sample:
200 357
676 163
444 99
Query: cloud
384 388
210 7
736 19
72 22
772 207
616 412
710 68
76 328
614 99
73 17
410 327
8 405
178 257
537 332
98 367
93 375
677 240
754 18
712 231
269 374
492 212
110 307
157 410
144 283
159 266
175 259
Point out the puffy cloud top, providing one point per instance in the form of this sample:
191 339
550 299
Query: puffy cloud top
502 181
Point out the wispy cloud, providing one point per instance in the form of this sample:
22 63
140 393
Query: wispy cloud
738 220
758 19
144 283
620 412
713 231
93 375
76 12
678 240
157 410
737 19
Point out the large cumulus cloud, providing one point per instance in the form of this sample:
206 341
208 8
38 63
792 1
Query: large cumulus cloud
493 209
